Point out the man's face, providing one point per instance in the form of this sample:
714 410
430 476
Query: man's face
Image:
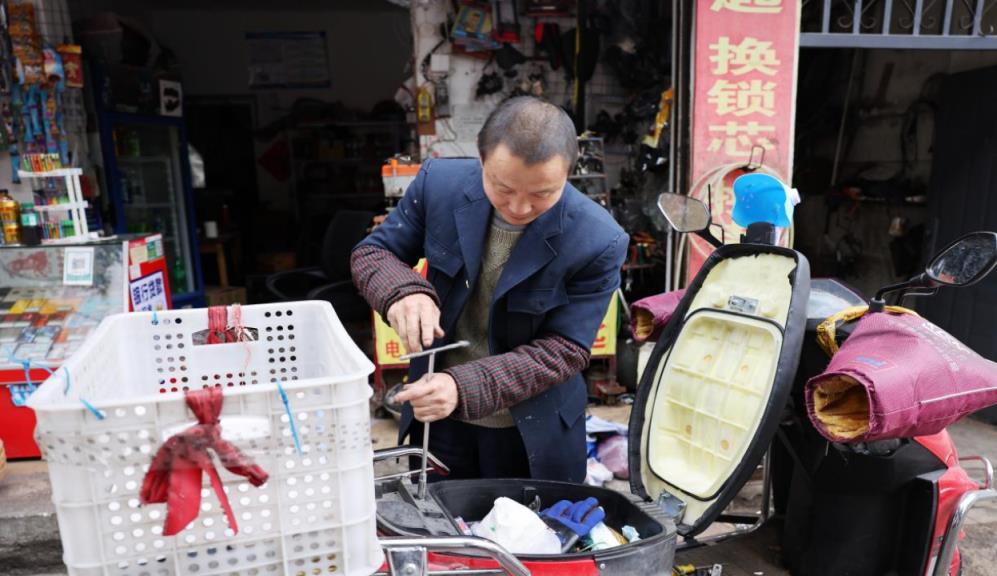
521 193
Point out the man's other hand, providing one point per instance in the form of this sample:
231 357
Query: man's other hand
416 319
433 397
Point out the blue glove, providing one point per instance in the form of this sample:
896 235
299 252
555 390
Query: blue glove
579 517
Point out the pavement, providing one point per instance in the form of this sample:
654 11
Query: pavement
29 537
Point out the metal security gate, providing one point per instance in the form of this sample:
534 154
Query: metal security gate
900 24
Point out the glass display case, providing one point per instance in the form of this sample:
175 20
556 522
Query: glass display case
152 198
148 176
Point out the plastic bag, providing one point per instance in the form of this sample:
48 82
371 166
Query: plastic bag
612 453
602 537
597 474
518 529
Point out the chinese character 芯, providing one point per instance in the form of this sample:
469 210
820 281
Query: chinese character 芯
735 139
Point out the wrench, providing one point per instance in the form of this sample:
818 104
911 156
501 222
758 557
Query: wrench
425 425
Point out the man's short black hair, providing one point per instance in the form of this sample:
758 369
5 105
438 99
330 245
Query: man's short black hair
531 129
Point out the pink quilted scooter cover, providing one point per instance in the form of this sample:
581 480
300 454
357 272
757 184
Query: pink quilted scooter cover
898 376
650 315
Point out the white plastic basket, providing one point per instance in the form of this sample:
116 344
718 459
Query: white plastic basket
316 513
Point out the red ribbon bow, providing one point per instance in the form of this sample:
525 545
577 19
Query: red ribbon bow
174 477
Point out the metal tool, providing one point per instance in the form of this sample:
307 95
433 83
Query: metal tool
425 425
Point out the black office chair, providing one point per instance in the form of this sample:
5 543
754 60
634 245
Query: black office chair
331 280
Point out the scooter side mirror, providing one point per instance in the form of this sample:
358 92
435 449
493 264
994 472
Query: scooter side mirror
683 213
966 261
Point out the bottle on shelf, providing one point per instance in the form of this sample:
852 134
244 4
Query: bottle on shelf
31 232
10 218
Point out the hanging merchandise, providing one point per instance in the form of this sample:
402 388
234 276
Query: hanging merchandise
472 30
547 39
72 64
424 112
539 8
25 44
506 20
508 58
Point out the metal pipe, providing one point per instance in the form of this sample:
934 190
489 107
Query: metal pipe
988 468
402 452
951 537
947 25
844 119
505 559
888 16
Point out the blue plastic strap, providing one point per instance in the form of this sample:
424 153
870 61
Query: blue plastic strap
290 417
155 318
28 388
97 413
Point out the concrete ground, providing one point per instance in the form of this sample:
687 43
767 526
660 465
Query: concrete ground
29 538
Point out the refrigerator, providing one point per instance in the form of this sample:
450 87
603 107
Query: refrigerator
147 173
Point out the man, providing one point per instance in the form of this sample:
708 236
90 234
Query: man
521 265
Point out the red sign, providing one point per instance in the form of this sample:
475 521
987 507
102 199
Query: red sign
744 102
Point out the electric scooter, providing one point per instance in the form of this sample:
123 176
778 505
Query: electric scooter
723 374
891 507
888 507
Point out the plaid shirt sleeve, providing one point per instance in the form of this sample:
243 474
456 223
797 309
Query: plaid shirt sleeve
490 384
383 279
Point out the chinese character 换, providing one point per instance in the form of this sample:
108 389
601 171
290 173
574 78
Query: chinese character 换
748 6
159 284
743 98
393 349
750 55
136 296
734 139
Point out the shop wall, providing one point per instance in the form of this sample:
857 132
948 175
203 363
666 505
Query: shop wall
456 136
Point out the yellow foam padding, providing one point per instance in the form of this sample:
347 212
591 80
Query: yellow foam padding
643 324
713 392
842 406
763 278
711 388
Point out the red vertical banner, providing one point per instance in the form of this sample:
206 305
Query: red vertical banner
744 102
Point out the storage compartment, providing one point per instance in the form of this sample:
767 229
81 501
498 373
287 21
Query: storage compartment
399 512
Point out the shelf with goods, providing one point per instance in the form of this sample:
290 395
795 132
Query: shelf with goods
62 222
589 175
340 162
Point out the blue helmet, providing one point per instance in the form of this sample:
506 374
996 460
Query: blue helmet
761 198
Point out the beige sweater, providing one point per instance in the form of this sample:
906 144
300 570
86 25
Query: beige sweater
473 322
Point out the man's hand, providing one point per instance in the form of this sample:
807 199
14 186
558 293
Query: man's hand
416 319
433 397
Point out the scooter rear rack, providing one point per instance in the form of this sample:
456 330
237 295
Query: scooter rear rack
966 503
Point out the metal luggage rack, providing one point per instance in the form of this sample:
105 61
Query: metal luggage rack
410 556
903 24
